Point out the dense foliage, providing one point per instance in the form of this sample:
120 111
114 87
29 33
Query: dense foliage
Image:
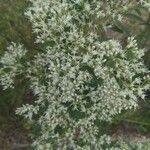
79 78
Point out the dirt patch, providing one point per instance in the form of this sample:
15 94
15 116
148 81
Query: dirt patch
13 137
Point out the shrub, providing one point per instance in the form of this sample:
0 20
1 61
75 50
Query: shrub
79 78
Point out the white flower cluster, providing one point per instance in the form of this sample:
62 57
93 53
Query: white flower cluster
79 80
51 17
145 3
11 65
75 89
108 143
130 144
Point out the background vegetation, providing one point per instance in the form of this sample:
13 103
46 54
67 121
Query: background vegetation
15 27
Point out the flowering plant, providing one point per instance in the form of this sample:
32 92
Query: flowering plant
79 78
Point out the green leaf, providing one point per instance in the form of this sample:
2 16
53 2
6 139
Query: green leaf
119 27
135 17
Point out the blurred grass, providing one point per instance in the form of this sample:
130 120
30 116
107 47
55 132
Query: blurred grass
13 25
